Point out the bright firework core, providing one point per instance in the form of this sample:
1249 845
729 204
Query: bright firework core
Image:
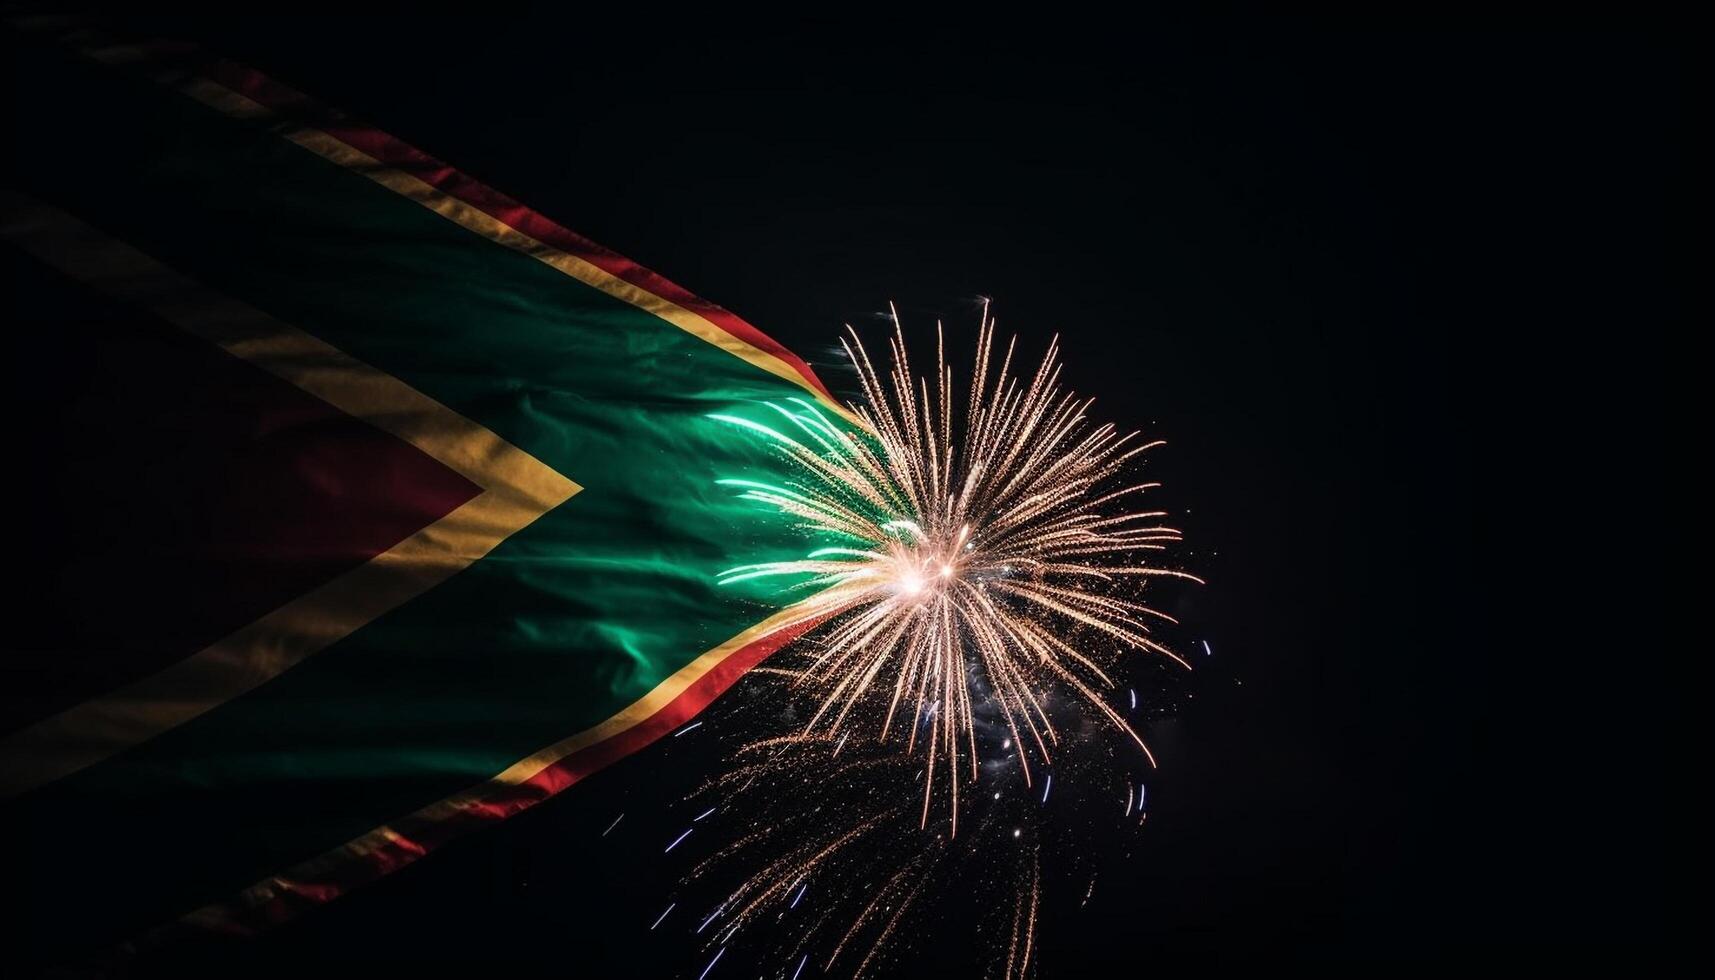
928 568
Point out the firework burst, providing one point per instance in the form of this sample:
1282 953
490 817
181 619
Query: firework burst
971 558
979 569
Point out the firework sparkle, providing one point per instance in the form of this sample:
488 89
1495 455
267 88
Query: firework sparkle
979 568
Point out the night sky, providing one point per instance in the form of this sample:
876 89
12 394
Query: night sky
1412 310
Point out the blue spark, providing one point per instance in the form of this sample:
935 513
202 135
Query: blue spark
712 963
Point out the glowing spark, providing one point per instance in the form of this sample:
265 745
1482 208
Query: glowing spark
799 896
687 728
615 823
703 814
1206 651
677 839
664 916
1046 786
712 963
800 969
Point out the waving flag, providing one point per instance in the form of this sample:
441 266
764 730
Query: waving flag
388 508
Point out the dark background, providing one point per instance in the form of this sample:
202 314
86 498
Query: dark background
1416 312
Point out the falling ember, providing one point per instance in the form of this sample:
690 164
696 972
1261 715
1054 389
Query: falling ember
972 557
712 963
